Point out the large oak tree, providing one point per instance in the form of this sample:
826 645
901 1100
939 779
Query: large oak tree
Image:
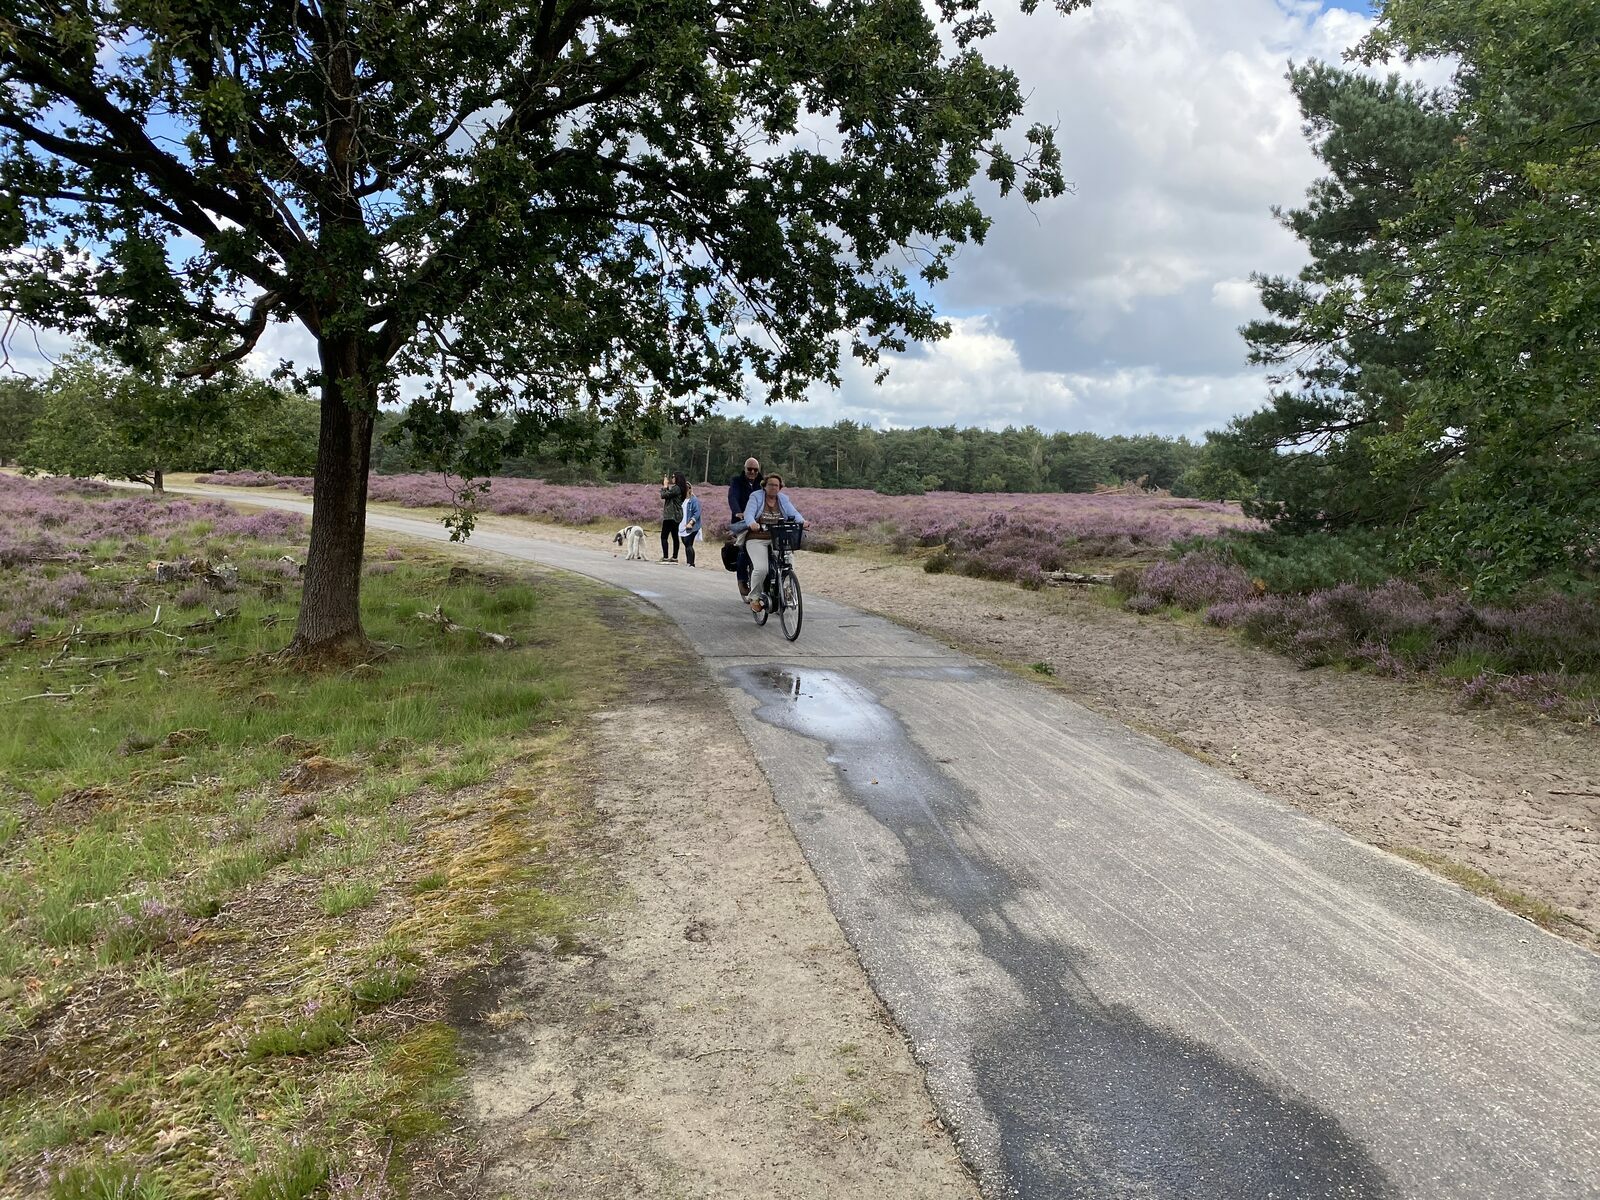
629 206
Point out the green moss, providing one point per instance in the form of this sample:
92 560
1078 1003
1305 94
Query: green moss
302 1033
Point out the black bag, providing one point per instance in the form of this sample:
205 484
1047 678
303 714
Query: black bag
730 556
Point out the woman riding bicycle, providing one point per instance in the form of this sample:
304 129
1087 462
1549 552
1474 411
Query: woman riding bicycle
769 504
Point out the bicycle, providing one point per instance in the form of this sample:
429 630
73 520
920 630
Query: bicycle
782 591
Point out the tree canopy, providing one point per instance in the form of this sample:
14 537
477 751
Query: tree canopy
1442 343
632 207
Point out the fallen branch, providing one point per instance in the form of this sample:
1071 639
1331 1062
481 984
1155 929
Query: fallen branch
437 617
1590 794
1075 577
726 1050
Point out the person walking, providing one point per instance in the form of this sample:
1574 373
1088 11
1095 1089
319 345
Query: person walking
673 489
740 488
689 527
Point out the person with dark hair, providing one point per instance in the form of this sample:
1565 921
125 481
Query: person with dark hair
673 489
740 488
689 528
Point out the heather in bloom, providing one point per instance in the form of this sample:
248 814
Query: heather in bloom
56 535
1193 582
992 535
1545 652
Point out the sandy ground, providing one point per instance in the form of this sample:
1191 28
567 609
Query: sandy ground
1400 765
715 1036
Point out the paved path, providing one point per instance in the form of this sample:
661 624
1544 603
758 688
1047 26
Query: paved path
1128 975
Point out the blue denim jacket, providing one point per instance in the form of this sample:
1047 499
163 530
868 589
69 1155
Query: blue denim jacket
757 501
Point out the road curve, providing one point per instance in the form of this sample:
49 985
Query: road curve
1126 974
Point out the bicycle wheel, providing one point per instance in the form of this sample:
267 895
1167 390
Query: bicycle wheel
790 613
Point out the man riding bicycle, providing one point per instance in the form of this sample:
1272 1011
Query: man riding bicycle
768 505
740 488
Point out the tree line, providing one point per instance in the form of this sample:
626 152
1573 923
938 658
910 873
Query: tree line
842 455
92 417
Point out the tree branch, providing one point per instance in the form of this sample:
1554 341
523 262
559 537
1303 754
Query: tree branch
251 333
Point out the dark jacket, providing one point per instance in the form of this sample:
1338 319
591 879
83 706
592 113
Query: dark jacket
671 504
740 488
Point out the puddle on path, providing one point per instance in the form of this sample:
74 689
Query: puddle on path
880 766
1089 1100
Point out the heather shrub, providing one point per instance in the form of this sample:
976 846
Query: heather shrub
1125 582
1544 651
1193 582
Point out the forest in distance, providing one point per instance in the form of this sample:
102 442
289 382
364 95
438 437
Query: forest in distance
76 421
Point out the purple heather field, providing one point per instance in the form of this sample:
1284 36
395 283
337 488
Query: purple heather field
58 535
1020 535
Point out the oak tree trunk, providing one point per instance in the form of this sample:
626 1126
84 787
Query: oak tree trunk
330 600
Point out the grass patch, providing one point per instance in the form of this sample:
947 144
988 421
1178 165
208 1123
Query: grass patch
299 1175
340 898
108 1181
235 892
1540 913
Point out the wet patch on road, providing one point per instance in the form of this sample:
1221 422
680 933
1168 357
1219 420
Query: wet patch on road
1088 1099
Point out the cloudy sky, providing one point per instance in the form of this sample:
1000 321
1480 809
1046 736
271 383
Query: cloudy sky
1116 309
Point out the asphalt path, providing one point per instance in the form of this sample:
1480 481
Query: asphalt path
1126 974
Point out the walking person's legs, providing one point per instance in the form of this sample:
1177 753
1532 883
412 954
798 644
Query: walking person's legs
666 528
688 547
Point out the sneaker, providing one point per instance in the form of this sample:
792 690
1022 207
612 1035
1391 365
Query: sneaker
744 590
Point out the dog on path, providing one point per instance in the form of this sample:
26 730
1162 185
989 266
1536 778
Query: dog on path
633 538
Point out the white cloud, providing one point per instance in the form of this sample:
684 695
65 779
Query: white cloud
1235 295
977 377
1118 306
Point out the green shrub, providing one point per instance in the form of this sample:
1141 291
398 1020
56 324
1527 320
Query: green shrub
1307 562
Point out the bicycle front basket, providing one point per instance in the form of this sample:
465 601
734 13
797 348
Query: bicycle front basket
789 536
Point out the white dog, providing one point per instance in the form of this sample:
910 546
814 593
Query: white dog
633 538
